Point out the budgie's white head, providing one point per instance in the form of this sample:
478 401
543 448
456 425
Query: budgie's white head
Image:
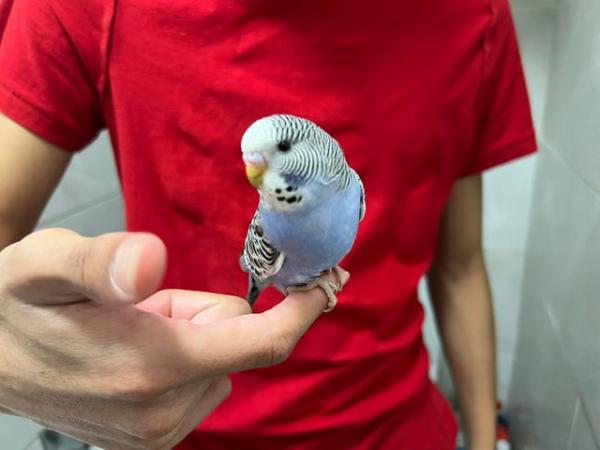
293 149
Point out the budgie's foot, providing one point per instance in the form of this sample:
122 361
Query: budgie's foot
329 286
341 276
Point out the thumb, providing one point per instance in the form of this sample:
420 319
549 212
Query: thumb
59 266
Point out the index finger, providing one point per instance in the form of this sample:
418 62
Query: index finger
252 340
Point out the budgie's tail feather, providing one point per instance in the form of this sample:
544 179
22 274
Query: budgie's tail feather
255 287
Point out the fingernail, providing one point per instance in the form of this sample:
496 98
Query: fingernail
123 268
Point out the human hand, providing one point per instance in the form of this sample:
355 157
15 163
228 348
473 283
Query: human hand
78 355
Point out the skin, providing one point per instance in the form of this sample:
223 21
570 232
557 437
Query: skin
87 345
462 302
114 363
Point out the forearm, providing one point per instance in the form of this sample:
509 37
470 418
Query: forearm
464 313
30 169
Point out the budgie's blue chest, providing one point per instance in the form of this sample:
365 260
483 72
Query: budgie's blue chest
317 235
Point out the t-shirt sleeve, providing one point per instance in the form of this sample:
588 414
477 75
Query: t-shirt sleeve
52 63
504 126
5 7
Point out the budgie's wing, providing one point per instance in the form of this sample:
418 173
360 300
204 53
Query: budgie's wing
260 258
363 203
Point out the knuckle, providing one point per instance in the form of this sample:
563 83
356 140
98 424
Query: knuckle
238 305
155 446
227 387
47 235
79 262
222 389
278 349
139 388
228 307
163 446
10 275
153 434
156 428
153 424
20 260
16 267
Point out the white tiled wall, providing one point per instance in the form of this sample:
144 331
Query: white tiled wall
582 437
557 358
555 395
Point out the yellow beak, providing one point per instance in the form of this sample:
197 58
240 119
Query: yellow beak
255 174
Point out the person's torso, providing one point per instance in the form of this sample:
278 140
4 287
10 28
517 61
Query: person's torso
396 83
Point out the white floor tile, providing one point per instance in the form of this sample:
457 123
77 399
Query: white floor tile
16 433
35 445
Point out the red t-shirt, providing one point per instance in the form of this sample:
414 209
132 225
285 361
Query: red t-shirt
418 94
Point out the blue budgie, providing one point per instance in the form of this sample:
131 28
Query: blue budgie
311 202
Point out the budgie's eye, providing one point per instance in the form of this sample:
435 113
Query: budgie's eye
284 146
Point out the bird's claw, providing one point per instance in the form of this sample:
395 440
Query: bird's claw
328 286
341 276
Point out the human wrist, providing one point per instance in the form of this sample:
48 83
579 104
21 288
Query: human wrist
480 430
482 440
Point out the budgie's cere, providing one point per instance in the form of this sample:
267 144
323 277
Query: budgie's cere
310 204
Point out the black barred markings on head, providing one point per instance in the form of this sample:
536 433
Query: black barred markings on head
307 152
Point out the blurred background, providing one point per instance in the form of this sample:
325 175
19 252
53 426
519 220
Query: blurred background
542 214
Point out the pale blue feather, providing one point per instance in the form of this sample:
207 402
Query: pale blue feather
315 237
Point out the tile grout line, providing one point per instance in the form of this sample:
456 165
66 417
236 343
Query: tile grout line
36 437
573 423
544 144
588 420
87 205
548 310
571 373
588 416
